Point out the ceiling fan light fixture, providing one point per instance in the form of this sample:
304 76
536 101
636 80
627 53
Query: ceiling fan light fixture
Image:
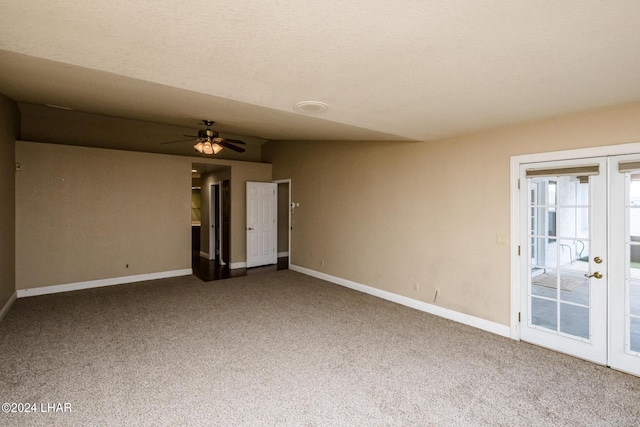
209 142
206 147
216 148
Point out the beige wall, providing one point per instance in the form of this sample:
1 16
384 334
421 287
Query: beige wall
56 126
85 213
389 215
9 132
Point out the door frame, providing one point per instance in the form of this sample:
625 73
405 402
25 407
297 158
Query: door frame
515 243
289 227
225 224
215 220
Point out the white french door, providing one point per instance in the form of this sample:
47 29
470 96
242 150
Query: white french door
262 229
564 300
625 263
580 273
576 271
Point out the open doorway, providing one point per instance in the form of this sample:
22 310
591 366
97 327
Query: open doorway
196 215
212 230
284 222
215 221
225 218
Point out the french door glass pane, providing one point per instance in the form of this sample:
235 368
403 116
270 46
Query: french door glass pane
559 243
634 261
544 283
573 222
574 320
575 289
543 221
633 279
543 253
634 334
544 313
574 255
572 190
634 298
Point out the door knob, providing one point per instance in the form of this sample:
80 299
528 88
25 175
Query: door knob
249 228
597 275
597 260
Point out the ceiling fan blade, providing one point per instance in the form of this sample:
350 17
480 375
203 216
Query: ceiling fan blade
173 142
235 141
226 144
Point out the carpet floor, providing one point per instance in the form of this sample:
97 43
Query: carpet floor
282 348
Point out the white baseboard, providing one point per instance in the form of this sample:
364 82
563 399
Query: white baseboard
7 305
54 289
236 265
283 254
206 255
456 316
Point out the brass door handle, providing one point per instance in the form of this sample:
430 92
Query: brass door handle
597 260
597 275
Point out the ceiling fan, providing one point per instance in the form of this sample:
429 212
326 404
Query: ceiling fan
208 141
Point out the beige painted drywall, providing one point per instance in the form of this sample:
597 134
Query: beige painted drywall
85 213
390 215
56 126
9 132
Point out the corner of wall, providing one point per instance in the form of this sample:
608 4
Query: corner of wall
9 132
7 305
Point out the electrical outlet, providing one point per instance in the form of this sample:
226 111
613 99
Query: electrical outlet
322 263
501 239
416 286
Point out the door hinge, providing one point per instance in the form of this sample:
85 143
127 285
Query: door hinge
518 250
518 184
519 317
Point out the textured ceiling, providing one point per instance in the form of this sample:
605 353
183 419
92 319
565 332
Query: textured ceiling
414 69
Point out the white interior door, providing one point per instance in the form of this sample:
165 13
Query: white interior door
262 231
563 208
